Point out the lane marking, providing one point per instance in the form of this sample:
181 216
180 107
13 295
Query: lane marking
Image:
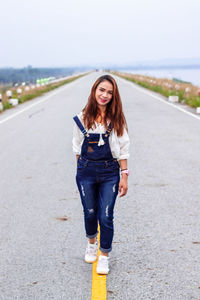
98 281
160 99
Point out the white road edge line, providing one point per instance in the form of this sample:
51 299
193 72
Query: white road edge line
32 105
160 99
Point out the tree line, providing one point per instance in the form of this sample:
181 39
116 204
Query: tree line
30 75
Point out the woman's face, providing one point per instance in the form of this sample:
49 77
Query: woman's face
104 93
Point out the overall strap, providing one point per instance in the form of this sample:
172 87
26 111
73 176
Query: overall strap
79 124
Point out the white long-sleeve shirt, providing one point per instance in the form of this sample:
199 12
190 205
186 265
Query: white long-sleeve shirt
119 146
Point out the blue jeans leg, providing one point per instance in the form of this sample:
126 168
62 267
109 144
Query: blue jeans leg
88 193
107 194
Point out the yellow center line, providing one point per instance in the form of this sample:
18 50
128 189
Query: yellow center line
98 281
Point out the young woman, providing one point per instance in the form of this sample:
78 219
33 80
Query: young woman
101 144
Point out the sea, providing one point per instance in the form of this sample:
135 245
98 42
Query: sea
189 75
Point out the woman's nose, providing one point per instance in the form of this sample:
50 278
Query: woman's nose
104 94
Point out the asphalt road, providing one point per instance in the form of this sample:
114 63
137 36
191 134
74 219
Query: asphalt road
156 247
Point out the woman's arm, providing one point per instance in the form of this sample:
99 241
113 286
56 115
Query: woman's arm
123 184
77 141
124 144
123 164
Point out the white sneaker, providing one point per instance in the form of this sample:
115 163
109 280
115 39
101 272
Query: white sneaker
103 265
91 252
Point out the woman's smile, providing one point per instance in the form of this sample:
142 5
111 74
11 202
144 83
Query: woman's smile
103 100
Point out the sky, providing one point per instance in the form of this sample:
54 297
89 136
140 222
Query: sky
62 33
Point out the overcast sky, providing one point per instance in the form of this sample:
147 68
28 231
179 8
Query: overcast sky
53 33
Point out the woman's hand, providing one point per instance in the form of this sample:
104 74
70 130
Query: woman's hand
123 185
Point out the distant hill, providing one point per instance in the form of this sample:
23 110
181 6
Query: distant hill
167 63
155 67
177 61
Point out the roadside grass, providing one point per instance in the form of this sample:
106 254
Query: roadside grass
28 95
187 93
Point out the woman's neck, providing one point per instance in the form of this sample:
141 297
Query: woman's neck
102 109
101 115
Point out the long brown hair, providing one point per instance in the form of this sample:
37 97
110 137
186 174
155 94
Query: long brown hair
114 112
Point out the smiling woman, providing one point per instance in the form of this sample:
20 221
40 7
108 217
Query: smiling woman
105 102
101 144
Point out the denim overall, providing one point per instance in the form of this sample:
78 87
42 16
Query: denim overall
97 179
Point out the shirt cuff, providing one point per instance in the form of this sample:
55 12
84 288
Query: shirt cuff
77 152
123 156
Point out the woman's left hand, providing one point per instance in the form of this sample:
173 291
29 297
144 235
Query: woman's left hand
123 185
